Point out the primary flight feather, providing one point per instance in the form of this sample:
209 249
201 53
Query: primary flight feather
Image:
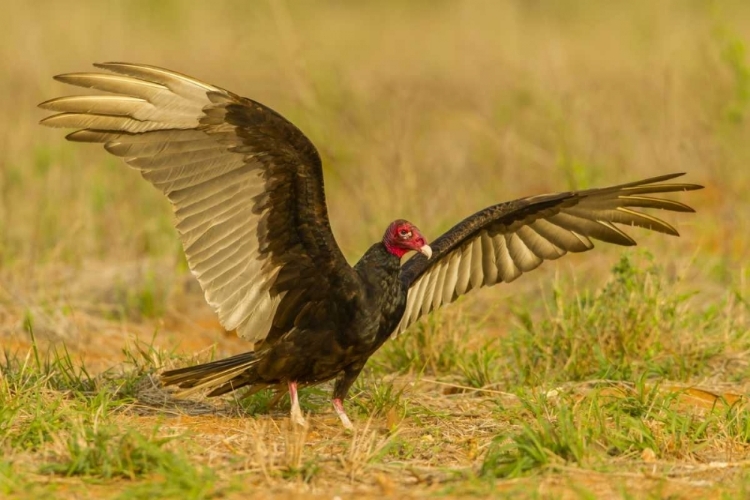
247 191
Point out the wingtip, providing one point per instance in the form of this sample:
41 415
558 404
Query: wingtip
687 187
666 177
107 64
46 105
46 120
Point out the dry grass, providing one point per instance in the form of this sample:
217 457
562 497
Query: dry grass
428 111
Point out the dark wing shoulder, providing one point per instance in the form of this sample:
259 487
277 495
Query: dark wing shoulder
246 187
503 241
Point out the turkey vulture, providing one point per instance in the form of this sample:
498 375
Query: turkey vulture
247 191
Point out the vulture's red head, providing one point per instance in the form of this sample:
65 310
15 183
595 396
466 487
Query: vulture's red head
402 237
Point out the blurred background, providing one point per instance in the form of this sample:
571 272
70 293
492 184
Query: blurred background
426 110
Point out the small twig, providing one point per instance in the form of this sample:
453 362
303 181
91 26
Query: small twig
467 388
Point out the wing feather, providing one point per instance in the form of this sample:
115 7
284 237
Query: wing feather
451 277
524 259
437 297
489 259
502 242
580 225
507 267
464 270
414 300
561 238
430 290
540 246
246 187
477 271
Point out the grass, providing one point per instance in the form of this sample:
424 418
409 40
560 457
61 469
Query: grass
631 423
632 325
506 412
58 421
614 374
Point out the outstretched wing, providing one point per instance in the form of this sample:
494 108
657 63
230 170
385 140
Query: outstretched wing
504 241
245 184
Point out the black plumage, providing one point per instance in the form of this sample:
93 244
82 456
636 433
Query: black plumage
247 190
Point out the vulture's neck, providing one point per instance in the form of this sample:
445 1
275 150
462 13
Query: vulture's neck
380 272
378 267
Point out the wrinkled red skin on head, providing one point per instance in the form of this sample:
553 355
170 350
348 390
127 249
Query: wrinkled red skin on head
398 246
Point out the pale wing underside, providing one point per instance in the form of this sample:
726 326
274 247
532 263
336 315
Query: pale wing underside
499 245
172 129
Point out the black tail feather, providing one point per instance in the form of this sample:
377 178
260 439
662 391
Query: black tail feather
238 382
216 371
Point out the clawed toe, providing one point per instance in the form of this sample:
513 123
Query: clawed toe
346 422
338 405
298 418
296 414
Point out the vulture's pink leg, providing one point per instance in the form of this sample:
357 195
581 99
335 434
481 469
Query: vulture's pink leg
296 416
338 405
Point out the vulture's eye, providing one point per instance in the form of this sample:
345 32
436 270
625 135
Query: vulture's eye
404 233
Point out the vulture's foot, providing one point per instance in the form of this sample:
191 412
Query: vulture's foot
338 405
296 415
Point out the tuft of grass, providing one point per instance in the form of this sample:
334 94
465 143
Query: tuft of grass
50 405
32 396
627 422
633 325
482 367
258 403
41 395
552 436
106 452
737 423
379 397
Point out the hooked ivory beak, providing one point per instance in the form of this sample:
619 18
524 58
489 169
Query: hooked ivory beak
426 251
